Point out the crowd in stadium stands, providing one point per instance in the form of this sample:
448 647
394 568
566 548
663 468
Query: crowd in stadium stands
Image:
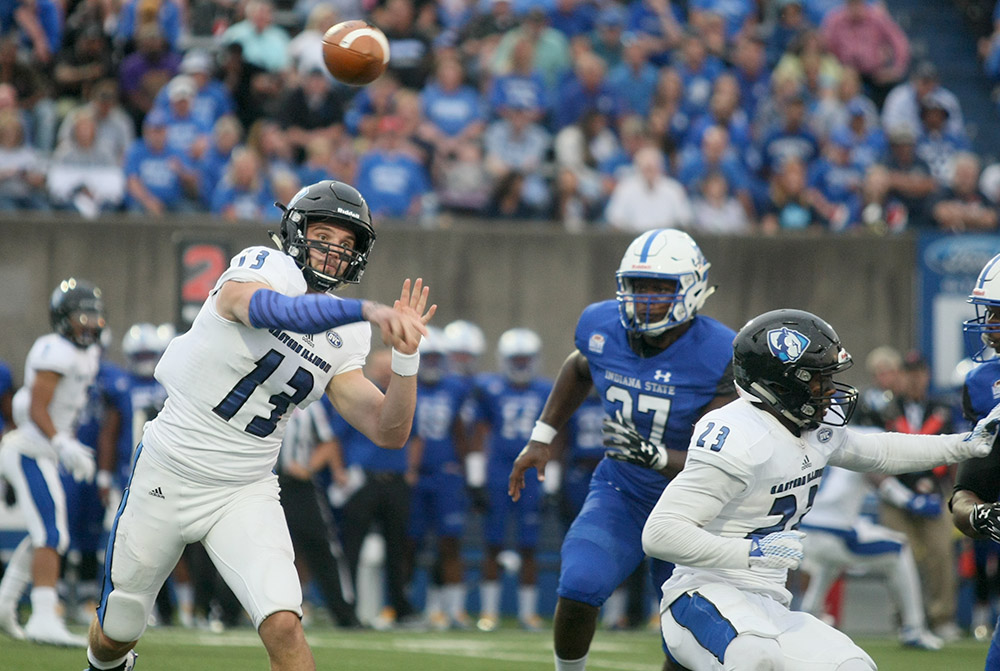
711 115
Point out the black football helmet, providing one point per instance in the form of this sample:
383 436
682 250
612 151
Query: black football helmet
333 202
76 311
778 354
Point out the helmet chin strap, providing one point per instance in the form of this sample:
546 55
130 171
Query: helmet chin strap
772 400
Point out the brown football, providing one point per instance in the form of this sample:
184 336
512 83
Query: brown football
355 52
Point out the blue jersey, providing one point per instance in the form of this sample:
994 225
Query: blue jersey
661 396
110 390
586 442
6 386
359 450
982 389
511 412
146 397
438 408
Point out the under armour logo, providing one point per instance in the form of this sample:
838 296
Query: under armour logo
158 493
806 464
662 376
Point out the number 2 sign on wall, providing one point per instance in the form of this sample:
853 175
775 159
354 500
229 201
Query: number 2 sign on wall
200 265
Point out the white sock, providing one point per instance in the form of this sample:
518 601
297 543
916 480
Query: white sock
527 602
434 601
97 664
17 577
614 608
454 599
43 603
489 593
571 664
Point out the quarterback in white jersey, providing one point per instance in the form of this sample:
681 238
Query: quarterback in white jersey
59 369
729 520
268 339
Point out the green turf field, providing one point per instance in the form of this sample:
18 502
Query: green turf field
505 650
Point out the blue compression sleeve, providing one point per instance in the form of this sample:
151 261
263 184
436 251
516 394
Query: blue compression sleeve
311 313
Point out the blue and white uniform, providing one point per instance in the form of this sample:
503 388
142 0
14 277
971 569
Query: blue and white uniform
204 470
661 396
586 449
510 412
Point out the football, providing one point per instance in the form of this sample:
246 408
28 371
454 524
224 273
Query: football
355 52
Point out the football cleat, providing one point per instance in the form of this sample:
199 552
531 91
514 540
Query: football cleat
127 665
51 631
9 624
921 639
488 623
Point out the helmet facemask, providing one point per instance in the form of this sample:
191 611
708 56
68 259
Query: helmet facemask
638 310
796 400
76 312
983 332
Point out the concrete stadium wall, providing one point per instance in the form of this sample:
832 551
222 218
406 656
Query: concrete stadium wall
498 275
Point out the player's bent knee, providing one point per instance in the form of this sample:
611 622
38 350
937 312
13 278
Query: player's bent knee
125 617
282 624
753 653
587 574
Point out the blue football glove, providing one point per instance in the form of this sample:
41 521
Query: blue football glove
925 505
625 444
782 549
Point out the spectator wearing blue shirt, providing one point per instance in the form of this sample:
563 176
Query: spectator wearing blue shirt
724 110
750 69
243 192
40 24
522 86
790 23
838 180
792 140
185 132
369 105
588 88
227 134
453 109
515 151
937 145
659 24
391 179
735 14
868 142
157 175
608 33
212 100
698 70
716 154
573 17
634 79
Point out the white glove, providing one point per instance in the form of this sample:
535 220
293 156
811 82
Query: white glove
782 549
76 457
984 433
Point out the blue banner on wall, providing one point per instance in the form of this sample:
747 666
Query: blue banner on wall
948 266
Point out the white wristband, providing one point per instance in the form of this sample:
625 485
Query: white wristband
405 365
103 479
542 433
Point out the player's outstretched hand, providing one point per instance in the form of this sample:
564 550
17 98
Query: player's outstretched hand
534 455
984 433
782 549
77 458
405 322
625 444
985 519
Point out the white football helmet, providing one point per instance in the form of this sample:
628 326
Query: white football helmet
464 343
433 356
985 328
143 345
518 353
662 254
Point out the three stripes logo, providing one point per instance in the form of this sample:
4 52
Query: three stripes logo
158 493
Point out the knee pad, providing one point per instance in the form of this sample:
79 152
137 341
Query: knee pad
754 653
588 573
125 616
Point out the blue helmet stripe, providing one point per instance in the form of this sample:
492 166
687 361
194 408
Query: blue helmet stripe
644 256
986 271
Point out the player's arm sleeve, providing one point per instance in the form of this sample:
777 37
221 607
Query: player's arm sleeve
673 530
895 453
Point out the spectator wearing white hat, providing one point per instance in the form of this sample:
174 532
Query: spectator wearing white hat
212 100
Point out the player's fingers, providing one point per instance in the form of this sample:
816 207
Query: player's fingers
404 295
430 313
418 297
